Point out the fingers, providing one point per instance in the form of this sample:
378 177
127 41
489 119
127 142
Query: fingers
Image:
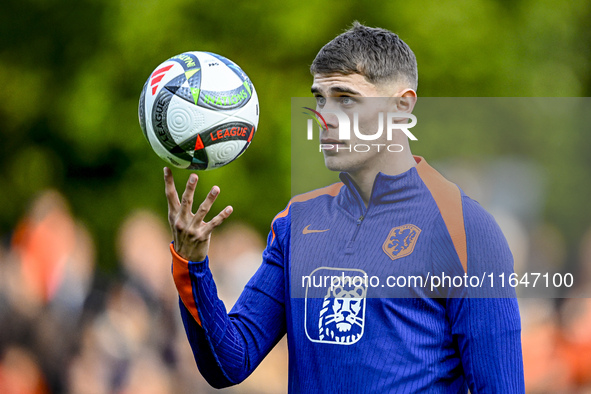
180 212
206 204
220 217
171 195
187 199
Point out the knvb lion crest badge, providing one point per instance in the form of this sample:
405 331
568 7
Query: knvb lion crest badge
401 241
335 305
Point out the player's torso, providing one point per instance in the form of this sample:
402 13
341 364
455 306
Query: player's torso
359 311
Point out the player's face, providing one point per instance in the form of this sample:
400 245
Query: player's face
351 94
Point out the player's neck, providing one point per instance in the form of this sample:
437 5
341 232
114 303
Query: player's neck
365 178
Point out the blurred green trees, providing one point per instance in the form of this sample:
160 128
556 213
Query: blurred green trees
71 73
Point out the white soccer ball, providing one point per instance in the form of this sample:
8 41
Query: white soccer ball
199 110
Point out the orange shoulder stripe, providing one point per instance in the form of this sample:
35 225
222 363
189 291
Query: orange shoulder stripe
182 281
331 190
448 198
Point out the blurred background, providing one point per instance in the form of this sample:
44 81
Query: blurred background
87 304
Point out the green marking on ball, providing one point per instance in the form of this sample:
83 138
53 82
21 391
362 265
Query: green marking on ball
190 73
195 93
245 83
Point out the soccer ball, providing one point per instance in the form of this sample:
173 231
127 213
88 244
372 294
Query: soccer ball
198 110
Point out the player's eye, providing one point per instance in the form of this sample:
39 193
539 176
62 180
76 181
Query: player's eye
320 101
347 101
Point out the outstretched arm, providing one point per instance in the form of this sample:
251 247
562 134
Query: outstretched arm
227 348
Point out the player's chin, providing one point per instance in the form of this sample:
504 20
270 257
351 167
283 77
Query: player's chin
335 163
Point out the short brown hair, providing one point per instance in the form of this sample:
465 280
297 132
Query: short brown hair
377 54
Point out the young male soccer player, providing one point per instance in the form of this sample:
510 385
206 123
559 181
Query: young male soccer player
391 216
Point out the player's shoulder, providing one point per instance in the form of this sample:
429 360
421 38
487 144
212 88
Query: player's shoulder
328 191
477 220
281 222
310 197
453 203
446 195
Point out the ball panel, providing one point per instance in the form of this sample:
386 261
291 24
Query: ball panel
224 100
186 85
160 125
150 96
216 75
182 118
221 154
249 112
228 131
212 118
163 75
232 66
180 162
187 60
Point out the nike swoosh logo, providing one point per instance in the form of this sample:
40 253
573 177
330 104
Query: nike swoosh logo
306 230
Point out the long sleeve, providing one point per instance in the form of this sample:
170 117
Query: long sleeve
485 321
228 347
488 334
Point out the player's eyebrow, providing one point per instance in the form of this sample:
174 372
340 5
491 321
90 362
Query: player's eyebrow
336 90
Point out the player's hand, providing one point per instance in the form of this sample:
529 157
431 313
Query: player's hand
190 233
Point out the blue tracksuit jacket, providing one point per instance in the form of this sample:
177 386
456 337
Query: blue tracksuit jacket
353 288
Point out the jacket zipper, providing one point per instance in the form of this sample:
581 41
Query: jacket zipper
349 249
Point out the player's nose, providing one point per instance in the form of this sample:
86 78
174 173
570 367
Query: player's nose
331 120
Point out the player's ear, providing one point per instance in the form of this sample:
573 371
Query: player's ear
407 101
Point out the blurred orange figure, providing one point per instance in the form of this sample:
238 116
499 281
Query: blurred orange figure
575 343
20 374
43 240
